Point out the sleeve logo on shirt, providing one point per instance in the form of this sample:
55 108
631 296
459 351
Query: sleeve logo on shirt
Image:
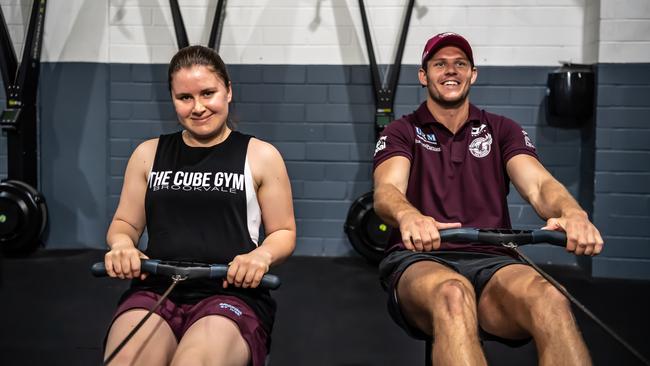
381 144
480 147
527 140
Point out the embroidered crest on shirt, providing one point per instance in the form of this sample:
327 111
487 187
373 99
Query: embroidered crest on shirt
381 144
480 147
427 140
477 130
527 140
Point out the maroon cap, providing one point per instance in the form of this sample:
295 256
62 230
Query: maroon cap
446 39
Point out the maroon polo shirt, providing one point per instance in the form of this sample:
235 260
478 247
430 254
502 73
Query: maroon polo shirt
456 177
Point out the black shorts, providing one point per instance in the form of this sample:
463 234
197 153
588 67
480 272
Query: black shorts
478 268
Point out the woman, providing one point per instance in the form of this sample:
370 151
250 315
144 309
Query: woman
202 193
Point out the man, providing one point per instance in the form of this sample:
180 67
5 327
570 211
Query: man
449 164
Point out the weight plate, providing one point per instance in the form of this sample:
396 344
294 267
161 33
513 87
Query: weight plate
23 218
367 233
12 215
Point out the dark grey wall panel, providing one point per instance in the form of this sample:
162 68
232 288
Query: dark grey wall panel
73 112
133 120
629 268
622 178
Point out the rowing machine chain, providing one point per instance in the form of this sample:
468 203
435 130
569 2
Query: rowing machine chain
577 303
176 278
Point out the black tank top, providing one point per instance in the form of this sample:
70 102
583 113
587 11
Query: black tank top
201 206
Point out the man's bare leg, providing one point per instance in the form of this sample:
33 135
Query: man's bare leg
440 302
518 302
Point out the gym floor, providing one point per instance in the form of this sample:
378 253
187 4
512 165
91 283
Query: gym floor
331 312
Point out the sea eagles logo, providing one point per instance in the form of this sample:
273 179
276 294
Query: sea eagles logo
381 144
480 147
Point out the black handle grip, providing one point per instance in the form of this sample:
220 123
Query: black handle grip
146 265
503 236
459 235
549 236
219 271
214 271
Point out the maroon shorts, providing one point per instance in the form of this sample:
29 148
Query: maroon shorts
181 317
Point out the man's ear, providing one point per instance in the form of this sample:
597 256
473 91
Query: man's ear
474 74
422 77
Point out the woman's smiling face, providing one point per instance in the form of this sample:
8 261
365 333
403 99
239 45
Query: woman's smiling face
201 100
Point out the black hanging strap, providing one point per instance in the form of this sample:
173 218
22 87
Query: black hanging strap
179 26
18 119
21 82
385 93
28 71
8 61
217 25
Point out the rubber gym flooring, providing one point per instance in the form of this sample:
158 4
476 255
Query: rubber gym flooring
331 313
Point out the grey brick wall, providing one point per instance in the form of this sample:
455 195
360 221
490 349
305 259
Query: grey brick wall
622 177
320 118
139 109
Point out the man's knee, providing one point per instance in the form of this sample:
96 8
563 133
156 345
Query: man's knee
454 297
548 306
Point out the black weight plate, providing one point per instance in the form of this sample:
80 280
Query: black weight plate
377 231
365 230
11 215
29 217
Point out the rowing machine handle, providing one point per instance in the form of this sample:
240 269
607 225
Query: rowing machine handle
214 271
504 236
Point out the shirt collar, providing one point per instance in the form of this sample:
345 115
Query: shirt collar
424 116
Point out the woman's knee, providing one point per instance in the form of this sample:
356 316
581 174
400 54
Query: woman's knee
153 344
212 340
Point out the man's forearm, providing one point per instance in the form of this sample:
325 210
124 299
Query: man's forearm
390 204
555 201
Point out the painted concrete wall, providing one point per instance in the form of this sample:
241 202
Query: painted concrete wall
503 32
624 31
506 32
